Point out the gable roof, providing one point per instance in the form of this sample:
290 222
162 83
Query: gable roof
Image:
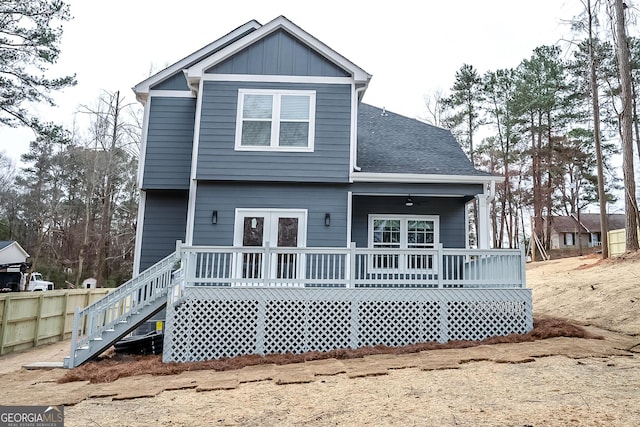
194 73
6 245
196 64
392 143
142 89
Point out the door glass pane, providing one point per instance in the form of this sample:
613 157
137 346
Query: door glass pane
253 231
252 235
287 264
288 232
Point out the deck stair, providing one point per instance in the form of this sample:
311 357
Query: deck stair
101 324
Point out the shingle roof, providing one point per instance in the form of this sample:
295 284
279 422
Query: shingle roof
590 223
5 243
566 224
391 143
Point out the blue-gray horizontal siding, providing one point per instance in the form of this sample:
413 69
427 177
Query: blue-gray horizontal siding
279 53
218 159
450 210
167 163
226 197
165 221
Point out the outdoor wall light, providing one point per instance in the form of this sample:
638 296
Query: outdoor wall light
409 202
214 217
327 219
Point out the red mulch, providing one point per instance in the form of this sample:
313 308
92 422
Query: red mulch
112 367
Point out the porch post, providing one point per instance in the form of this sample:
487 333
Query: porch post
484 236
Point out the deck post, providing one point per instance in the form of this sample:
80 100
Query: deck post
351 274
74 336
523 268
266 263
440 265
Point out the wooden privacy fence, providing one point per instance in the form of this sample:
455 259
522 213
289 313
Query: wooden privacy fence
29 319
617 241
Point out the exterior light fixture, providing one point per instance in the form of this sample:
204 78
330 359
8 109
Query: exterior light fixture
327 219
214 217
409 202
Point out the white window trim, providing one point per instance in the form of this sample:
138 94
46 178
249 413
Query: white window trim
404 244
275 129
404 228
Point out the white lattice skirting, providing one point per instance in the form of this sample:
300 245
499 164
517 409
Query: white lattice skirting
210 323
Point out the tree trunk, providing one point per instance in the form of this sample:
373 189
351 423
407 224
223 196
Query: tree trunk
631 207
602 195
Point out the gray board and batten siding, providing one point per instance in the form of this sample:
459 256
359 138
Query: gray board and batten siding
177 82
169 144
165 221
224 198
218 159
278 53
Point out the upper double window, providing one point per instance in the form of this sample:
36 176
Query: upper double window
281 120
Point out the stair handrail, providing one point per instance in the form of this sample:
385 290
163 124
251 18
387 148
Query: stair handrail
90 322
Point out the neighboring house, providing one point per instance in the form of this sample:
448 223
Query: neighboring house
566 230
306 219
11 252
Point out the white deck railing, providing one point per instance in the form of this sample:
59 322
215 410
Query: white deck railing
350 267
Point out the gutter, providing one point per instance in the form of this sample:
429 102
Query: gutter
427 178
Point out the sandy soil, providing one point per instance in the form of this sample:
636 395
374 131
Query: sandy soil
553 382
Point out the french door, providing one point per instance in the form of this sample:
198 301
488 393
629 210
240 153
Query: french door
276 228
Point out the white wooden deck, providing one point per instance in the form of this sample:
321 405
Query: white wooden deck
233 301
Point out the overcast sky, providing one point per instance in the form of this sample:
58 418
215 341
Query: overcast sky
411 48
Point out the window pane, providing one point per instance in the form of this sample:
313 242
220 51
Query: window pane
257 106
420 233
386 231
256 134
294 107
294 134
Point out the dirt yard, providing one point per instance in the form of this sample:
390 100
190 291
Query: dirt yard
561 381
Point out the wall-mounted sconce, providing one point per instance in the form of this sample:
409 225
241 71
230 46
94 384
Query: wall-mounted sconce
327 219
214 217
409 202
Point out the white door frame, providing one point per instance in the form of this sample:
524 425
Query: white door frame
270 232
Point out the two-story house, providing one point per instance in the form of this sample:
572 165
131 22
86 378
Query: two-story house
307 219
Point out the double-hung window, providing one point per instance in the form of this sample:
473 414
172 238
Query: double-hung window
403 232
281 120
